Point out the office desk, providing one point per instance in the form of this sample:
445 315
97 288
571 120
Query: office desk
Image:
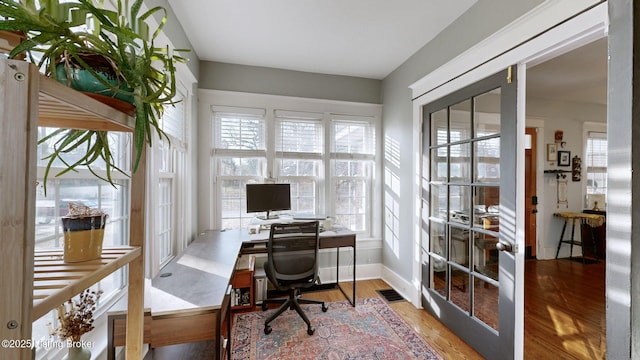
334 239
192 303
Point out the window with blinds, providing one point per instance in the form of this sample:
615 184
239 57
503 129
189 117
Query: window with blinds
596 162
173 122
239 131
299 145
240 158
352 156
328 159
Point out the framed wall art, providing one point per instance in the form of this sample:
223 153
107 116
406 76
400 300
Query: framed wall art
552 152
564 158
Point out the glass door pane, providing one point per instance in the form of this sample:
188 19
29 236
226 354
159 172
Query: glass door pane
464 188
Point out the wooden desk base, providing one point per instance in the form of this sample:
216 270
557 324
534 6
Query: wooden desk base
166 329
162 331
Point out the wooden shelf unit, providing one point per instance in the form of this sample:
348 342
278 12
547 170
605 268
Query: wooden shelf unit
242 283
33 283
55 281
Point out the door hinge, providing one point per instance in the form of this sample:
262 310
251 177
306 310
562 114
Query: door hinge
509 75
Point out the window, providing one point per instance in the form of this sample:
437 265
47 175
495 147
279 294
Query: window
596 163
299 147
168 169
82 186
352 156
329 160
240 157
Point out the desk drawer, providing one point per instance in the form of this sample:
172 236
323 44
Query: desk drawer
178 329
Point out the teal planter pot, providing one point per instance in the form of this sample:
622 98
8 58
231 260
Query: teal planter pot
83 80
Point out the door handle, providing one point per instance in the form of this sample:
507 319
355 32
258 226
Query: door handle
503 246
534 211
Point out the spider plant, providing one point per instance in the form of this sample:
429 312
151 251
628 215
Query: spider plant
61 33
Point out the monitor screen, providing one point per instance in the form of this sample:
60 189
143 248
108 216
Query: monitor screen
268 197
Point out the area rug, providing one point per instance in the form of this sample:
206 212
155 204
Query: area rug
371 330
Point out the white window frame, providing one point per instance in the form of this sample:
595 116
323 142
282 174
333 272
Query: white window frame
168 161
367 157
272 105
318 179
588 127
218 153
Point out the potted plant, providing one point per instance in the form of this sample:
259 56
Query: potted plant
59 40
75 318
83 229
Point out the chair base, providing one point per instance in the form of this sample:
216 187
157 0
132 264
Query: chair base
292 303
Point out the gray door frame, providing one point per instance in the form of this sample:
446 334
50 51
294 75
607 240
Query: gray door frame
559 26
623 190
486 341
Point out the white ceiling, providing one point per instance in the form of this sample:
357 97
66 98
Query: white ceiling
579 75
363 38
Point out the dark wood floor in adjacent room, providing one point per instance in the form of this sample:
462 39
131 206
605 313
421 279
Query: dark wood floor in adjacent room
564 316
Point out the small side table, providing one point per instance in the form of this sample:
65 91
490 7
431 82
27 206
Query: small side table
592 220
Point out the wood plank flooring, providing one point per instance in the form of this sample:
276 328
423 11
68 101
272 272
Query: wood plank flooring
565 310
564 316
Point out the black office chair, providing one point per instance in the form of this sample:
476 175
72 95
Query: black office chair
292 265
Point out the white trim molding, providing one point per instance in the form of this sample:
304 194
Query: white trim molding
398 283
518 34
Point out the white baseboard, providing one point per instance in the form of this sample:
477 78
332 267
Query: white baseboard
363 272
402 286
375 271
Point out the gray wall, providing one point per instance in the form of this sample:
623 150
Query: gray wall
479 22
173 29
261 80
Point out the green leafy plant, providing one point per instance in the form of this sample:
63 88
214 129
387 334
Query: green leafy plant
62 33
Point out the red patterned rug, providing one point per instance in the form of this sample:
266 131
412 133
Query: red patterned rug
371 330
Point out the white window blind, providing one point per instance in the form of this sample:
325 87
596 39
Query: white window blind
353 137
173 121
242 129
299 133
596 162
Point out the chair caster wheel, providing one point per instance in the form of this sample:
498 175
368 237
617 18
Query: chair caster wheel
311 330
267 329
324 308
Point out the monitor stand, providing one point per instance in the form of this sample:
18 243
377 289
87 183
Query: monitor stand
268 217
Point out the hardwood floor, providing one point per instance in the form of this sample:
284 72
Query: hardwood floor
564 310
564 316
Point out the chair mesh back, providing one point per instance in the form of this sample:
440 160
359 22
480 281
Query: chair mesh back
293 250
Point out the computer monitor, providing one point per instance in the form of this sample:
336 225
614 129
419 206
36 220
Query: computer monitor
267 198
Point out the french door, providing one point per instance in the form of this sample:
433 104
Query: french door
469 250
